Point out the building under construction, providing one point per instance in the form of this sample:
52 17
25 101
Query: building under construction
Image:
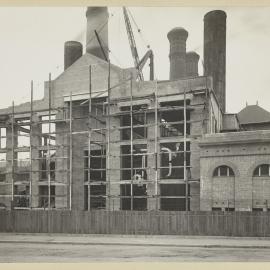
104 138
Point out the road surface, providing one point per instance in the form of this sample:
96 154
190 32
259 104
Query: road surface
115 248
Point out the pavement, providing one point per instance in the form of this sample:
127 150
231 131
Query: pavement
138 240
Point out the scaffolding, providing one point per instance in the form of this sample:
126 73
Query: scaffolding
126 181
135 157
32 165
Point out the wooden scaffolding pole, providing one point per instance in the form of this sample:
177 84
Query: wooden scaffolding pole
12 156
31 142
89 138
108 134
185 151
70 152
156 144
48 167
131 142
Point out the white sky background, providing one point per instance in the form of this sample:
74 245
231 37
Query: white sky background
32 45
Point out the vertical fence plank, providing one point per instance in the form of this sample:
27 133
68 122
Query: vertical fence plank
137 222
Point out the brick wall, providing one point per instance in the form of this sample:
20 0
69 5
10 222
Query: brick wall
243 158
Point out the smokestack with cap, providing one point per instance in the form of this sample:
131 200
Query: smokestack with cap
97 20
72 52
192 59
177 38
215 52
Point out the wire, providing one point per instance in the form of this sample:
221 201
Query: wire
108 50
139 30
99 29
111 53
115 58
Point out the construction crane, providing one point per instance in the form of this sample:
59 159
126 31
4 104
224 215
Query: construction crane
139 64
149 54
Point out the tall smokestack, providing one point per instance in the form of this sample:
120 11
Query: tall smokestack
215 52
192 59
177 38
72 52
97 20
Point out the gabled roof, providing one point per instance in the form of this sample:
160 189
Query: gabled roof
253 114
75 79
86 60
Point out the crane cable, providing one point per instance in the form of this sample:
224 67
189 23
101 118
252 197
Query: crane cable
138 29
110 52
98 31
102 42
100 28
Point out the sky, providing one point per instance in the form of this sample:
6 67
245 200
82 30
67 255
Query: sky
32 46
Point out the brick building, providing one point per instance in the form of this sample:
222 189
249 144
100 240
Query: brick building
234 169
102 139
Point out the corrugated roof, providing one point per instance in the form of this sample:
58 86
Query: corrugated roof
253 114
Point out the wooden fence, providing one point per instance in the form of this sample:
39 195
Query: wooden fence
136 222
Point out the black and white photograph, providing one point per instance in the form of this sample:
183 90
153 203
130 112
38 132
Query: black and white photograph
134 133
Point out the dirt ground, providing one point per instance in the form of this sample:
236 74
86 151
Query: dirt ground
118 248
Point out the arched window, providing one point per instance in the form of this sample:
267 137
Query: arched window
223 171
262 170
